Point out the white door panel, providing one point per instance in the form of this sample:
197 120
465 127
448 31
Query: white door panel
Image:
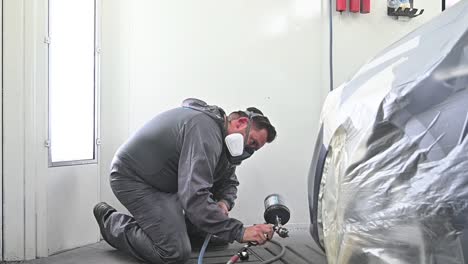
72 175
72 193
13 134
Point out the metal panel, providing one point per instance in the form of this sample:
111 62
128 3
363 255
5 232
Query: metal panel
13 134
20 71
1 130
30 128
41 130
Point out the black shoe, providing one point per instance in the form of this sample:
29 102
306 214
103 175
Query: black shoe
101 212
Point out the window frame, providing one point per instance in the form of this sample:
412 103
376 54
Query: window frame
96 140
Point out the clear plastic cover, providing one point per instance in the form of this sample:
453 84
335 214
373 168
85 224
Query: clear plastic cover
393 185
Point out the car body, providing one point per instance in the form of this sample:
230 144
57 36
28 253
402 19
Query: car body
388 181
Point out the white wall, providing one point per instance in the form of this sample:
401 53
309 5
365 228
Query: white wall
359 37
231 53
271 54
45 210
115 83
18 150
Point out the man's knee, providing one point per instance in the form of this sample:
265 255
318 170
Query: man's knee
179 253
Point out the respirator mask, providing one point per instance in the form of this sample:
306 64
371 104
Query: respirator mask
236 144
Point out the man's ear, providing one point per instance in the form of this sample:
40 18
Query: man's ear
242 122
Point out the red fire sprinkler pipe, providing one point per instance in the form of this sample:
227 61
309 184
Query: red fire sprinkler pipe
354 6
365 6
340 5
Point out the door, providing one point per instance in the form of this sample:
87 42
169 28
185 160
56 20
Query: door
73 151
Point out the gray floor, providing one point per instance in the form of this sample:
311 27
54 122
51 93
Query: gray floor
300 250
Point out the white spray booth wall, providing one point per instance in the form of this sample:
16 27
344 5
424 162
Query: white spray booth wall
234 54
269 54
359 37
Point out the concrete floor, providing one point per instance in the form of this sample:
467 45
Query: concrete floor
300 250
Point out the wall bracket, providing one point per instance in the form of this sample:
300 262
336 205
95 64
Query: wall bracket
404 11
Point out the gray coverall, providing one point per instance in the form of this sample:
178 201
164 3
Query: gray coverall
174 167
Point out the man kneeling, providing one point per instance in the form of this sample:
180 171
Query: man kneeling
180 166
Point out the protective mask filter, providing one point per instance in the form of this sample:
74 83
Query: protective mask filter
235 144
237 151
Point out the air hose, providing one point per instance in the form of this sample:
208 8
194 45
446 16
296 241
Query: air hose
277 214
203 248
235 258
277 257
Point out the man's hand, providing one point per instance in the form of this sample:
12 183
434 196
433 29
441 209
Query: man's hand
223 207
258 233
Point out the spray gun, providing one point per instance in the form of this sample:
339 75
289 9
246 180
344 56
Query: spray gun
277 214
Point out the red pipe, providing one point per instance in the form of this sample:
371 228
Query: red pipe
233 259
365 6
354 6
340 5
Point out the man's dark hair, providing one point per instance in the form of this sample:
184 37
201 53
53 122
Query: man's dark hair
258 121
